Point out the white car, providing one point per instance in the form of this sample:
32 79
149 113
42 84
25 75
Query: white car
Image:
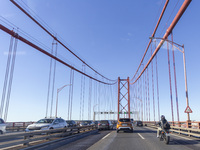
2 126
46 124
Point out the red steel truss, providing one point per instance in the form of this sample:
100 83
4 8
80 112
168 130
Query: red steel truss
123 98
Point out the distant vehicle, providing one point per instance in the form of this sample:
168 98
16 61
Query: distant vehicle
71 123
47 124
96 123
86 123
132 121
139 123
2 126
124 124
105 124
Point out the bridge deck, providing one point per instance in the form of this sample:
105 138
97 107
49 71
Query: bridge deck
142 138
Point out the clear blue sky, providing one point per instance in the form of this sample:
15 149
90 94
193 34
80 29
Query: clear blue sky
112 37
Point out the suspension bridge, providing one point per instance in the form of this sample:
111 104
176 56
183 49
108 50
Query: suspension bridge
60 83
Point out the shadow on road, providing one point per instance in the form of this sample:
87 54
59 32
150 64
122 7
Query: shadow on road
183 142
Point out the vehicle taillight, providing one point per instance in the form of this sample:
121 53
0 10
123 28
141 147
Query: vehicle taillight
99 124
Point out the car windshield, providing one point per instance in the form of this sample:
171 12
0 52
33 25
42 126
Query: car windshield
124 120
45 121
1 121
104 121
85 122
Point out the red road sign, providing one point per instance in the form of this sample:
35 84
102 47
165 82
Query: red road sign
188 110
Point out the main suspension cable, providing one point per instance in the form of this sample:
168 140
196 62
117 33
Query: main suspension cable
154 32
48 54
54 37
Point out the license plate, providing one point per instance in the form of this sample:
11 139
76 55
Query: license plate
124 124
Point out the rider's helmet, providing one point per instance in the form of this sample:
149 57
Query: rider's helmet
162 117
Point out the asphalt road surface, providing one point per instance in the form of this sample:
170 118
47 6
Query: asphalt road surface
141 139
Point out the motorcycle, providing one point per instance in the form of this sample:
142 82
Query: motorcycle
165 136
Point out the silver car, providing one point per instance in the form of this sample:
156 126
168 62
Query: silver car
46 124
2 126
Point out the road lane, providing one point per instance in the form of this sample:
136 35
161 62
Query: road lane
181 141
142 139
152 142
81 143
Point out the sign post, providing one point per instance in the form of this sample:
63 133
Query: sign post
188 110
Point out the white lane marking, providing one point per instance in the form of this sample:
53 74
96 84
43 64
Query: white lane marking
141 136
106 136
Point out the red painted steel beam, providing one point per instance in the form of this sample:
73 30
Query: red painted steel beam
118 97
128 97
154 32
46 53
122 96
168 32
57 39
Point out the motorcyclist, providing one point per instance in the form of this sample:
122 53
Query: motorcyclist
162 125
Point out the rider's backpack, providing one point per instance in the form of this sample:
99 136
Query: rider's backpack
167 126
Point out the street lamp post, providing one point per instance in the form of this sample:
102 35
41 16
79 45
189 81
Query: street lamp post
94 112
185 75
58 90
132 110
140 108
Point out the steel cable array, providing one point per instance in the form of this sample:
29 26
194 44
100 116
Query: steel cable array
55 38
11 77
6 77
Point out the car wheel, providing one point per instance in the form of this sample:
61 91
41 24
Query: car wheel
1 132
65 127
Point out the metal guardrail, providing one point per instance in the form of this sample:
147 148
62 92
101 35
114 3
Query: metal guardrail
25 138
184 124
191 132
17 126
